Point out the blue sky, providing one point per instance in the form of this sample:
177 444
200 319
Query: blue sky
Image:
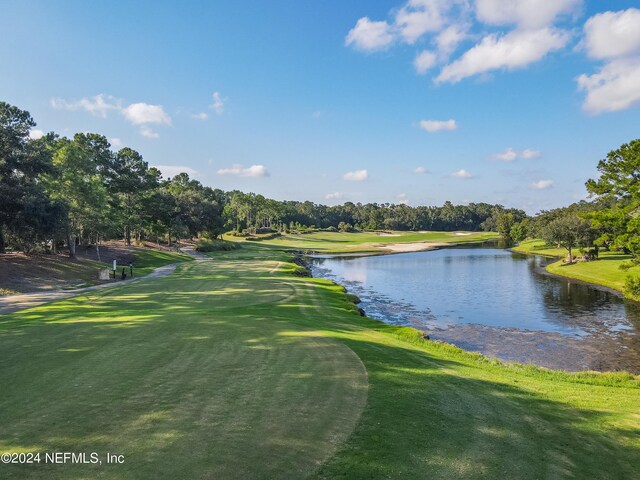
418 101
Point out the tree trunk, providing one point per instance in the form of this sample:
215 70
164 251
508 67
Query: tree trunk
2 246
570 256
71 241
98 246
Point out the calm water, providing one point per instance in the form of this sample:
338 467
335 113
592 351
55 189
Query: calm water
497 302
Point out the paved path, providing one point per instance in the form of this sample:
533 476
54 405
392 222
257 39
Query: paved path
12 303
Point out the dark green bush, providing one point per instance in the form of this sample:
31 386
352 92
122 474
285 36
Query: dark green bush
206 245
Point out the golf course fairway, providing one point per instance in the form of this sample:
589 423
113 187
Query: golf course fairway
235 367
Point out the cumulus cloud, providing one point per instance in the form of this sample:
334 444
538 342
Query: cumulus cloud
449 38
509 155
418 17
613 34
514 50
615 87
218 103
334 196
200 116
402 198
170 171
98 105
115 142
420 170
424 61
525 13
142 113
240 171
542 184
35 134
149 133
356 176
529 154
615 38
433 126
369 36
462 173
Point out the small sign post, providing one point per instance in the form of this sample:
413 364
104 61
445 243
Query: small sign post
114 269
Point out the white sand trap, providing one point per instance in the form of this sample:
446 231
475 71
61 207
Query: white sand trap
388 234
462 234
412 246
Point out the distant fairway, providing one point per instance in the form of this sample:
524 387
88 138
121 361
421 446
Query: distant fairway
236 368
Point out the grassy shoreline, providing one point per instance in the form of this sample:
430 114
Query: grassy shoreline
604 272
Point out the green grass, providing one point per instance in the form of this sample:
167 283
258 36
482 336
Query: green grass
235 368
147 260
540 247
605 271
333 242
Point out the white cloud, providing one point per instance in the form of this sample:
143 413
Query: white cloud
356 176
317 114
613 34
200 116
449 38
615 87
509 155
420 170
115 142
462 173
147 132
98 105
141 113
432 126
369 36
218 103
525 13
529 154
615 37
334 196
240 171
402 198
424 61
542 184
170 171
35 134
517 49
418 17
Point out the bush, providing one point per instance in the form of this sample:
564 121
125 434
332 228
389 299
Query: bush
632 286
205 245
258 238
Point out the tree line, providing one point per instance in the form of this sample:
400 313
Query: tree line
63 192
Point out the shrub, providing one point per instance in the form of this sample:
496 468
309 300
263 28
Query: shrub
206 245
632 286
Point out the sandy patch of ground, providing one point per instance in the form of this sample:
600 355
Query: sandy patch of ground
462 234
388 234
411 246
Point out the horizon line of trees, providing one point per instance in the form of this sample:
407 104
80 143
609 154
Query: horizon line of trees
63 192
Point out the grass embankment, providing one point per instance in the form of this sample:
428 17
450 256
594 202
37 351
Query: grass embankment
333 242
236 368
20 273
605 271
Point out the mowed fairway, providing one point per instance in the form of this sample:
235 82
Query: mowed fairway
190 376
236 368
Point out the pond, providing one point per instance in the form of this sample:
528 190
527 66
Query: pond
495 302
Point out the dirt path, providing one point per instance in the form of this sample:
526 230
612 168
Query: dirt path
12 303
